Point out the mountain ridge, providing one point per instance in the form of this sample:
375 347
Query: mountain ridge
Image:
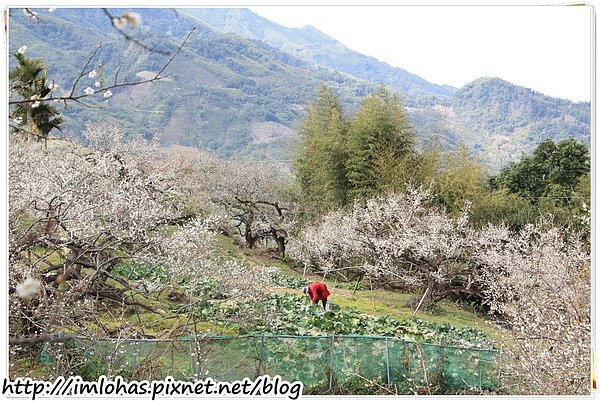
293 40
242 97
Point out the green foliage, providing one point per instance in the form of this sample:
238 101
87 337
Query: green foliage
321 155
380 136
340 161
501 206
551 171
458 178
140 271
285 281
554 179
455 177
28 80
292 315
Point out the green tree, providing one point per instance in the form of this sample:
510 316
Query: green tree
28 80
552 173
380 138
456 177
554 180
321 157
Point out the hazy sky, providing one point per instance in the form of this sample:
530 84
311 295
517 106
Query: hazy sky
546 48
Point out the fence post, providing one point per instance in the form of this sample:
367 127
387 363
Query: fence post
260 354
194 356
387 361
480 372
331 364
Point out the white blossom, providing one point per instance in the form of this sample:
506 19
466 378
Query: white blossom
400 238
119 22
92 73
36 103
22 49
28 288
537 281
108 93
133 19
97 84
89 91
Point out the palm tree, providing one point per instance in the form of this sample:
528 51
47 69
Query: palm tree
28 80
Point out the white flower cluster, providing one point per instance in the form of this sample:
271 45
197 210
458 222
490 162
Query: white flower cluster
36 103
106 93
539 282
17 120
245 194
398 238
128 19
28 288
112 200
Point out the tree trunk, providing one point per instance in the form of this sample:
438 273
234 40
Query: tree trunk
280 240
250 239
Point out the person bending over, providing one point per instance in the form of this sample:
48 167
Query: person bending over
317 291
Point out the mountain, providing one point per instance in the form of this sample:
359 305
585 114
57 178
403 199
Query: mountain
244 97
496 119
223 92
308 43
500 120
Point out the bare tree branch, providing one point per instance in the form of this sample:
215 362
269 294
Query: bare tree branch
83 70
177 51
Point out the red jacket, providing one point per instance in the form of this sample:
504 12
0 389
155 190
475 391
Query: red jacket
317 291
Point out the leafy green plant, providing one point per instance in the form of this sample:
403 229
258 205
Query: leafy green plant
283 280
141 271
292 315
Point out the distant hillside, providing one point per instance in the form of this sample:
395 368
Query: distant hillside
309 43
224 92
244 97
501 120
496 119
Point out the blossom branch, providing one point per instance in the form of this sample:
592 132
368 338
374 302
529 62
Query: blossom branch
106 89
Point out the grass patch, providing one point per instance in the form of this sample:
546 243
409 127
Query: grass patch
376 302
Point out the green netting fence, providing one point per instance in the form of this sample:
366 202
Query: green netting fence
320 362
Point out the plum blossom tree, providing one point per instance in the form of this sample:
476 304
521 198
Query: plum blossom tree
400 240
75 213
248 197
79 213
254 203
538 282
